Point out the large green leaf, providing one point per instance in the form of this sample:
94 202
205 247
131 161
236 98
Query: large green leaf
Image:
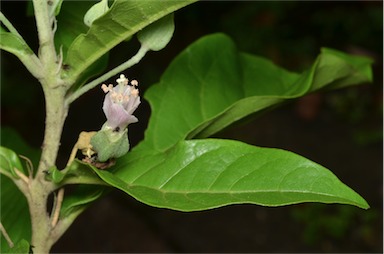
124 19
211 85
203 174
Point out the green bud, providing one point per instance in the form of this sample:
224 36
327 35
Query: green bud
110 143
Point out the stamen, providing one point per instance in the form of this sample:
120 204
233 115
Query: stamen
134 83
122 80
105 88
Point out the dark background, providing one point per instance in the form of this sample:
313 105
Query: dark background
341 130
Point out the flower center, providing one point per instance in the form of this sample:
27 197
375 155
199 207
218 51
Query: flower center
123 91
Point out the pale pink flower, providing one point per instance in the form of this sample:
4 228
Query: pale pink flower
120 103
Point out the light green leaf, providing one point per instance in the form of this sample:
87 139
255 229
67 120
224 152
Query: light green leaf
14 44
9 163
203 174
211 85
158 34
95 12
124 19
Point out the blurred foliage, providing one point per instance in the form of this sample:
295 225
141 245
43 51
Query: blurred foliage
336 223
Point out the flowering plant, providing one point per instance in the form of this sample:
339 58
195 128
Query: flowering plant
119 104
176 166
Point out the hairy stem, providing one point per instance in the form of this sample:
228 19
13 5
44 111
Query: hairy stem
56 112
40 188
129 63
9 25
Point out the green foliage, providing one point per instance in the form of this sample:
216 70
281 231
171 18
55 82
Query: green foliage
14 44
195 99
124 19
157 35
21 246
203 174
95 12
14 208
9 162
211 84
110 144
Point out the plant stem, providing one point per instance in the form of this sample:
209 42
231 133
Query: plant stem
40 188
56 112
129 63
6 236
9 25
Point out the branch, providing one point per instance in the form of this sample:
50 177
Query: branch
6 236
9 25
44 22
134 60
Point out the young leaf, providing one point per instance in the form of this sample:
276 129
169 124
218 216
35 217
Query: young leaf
124 19
203 174
211 84
9 163
14 44
157 35
95 12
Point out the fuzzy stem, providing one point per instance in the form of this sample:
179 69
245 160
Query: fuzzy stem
40 188
129 63
56 112
9 25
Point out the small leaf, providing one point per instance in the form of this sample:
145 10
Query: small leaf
157 35
203 174
58 7
9 161
14 44
95 12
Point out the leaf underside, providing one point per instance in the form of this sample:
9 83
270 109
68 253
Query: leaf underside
211 85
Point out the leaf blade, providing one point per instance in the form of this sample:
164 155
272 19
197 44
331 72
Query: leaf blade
124 19
210 85
204 174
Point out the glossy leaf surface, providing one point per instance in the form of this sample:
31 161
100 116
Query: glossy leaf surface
211 84
203 174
